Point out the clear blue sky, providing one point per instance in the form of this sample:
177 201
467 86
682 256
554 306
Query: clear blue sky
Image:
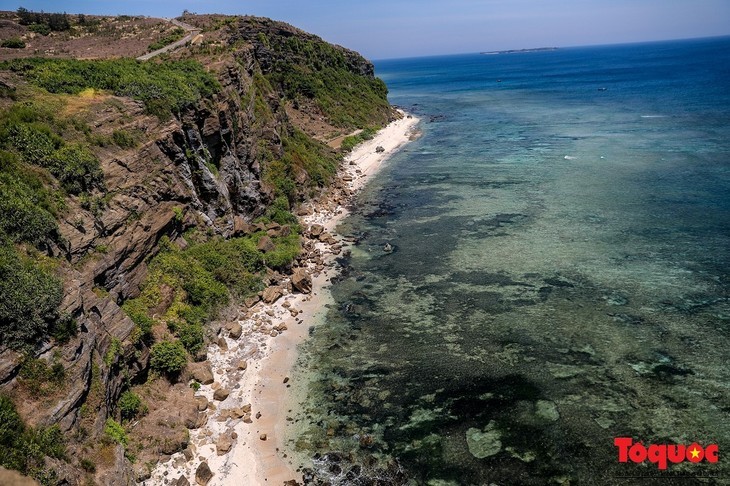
402 28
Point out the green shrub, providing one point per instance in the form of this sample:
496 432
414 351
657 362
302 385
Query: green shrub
164 87
310 69
137 311
191 335
23 448
279 212
115 349
76 168
39 378
168 357
301 153
29 299
35 141
26 207
179 215
231 262
286 250
87 465
42 29
13 43
350 142
124 139
64 328
130 405
115 431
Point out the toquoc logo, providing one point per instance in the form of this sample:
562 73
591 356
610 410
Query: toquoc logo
663 454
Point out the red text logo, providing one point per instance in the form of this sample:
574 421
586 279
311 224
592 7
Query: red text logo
663 454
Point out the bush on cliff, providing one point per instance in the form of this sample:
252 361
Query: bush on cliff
29 298
27 207
23 448
307 67
168 357
164 87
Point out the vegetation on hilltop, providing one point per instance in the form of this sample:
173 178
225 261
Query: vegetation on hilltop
164 87
307 69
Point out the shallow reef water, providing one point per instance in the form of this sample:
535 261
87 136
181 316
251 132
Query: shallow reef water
557 276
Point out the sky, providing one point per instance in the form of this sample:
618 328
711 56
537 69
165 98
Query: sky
381 29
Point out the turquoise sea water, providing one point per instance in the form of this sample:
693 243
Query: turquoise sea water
560 278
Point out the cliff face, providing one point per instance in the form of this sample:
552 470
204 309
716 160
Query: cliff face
203 168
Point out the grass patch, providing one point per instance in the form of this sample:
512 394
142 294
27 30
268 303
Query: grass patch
350 142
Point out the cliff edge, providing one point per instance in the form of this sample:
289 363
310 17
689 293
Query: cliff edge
140 201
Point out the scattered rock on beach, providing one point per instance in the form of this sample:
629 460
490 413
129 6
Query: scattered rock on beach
271 295
201 372
221 394
236 331
263 437
203 474
302 281
182 481
251 301
201 402
222 343
379 149
242 365
224 445
315 230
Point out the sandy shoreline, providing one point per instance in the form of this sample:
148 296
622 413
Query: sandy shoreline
268 345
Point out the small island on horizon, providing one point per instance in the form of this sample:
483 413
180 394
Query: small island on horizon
519 51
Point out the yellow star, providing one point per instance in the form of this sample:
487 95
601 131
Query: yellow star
695 453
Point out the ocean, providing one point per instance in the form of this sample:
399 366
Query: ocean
560 276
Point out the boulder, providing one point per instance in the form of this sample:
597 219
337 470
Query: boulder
222 343
202 403
315 230
201 372
241 227
224 445
236 331
251 301
221 394
265 244
484 443
302 281
203 474
271 294
195 420
182 481
174 440
379 149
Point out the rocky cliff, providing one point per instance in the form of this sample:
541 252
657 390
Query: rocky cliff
213 167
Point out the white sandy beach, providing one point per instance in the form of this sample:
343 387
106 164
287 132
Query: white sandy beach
270 351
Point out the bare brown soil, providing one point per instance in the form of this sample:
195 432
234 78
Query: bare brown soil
99 38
